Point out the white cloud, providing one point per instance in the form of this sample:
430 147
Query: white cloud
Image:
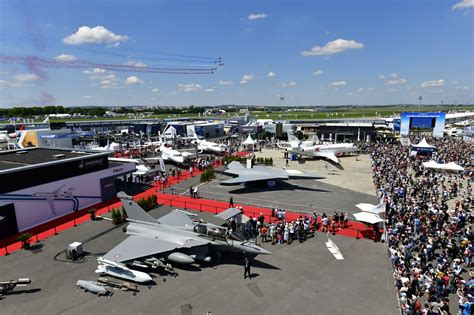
210 90
394 75
65 58
339 83
318 72
381 77
246 78
191 87
256 16
463 4
334 47
95 71
4 83
350 94
289 84
371 89
464 88
360 89
155 90
138 64
27 77
396 81
94 35
133 80
225 82
432 83
87 97
271 74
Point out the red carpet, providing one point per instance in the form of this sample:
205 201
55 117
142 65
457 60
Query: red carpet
355 229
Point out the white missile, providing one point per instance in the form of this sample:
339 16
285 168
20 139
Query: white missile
121 271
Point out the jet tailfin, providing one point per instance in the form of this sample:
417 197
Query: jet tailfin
133 210
293 140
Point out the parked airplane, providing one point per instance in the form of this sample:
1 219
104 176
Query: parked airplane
173 237
208 146
260 173
170 154
326 151
93 287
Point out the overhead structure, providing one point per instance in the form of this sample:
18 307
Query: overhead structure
261 173
450 167
423 146
249 142
367 217
375 209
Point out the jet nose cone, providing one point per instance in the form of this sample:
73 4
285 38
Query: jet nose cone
263 251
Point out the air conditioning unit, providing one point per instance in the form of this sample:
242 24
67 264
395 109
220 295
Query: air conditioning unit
74 251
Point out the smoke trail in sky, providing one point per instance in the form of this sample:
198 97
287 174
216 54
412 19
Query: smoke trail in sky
46 99
35 63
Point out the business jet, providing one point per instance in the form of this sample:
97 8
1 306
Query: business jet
170 154
326 151
208 146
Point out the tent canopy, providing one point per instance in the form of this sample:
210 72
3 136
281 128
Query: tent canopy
423 145
249 141
367 207
367 217
446 167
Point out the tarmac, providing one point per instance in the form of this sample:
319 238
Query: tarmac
296 279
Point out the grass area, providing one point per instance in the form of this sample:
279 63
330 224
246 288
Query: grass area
326 113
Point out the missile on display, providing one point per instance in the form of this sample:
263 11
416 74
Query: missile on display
121 271
94 287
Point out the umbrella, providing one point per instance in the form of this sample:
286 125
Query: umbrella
367 217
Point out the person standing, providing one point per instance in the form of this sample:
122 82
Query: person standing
231 202
247 268
196 192
191 192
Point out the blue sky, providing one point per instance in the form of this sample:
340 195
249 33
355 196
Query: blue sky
310 52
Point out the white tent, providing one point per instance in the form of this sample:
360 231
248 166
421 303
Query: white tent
367 217
367 207
249 142
423 145
443 167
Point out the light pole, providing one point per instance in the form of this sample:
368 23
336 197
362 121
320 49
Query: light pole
420 99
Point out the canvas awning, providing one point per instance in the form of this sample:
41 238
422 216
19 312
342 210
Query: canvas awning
423 145
367 207
452 166
367 217
249 141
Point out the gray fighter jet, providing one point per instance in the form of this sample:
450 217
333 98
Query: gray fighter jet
261 173
173 237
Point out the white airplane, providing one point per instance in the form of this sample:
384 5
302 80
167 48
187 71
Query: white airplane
326 151
170 154
208 146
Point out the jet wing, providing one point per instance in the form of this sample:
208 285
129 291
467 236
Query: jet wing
176 218
300 174
186 154
328 155
252 177
135 247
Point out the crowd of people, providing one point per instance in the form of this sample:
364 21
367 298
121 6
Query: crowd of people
428 221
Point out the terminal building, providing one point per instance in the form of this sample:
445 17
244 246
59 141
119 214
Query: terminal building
38 185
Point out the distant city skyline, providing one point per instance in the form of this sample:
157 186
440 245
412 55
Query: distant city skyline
206 53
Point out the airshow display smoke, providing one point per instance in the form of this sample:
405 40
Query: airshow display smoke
40 62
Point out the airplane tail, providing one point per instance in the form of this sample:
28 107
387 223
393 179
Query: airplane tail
293 140
316 139
133 210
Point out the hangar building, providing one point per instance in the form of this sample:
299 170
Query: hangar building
38 185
